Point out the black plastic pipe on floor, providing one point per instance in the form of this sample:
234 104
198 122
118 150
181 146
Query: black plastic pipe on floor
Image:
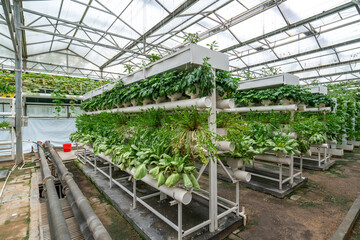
57 224
95 225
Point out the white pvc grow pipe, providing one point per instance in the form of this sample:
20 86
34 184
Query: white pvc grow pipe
240 175
204 102
179 194
271 158
226 103
48 95
324 109
225 146
291 107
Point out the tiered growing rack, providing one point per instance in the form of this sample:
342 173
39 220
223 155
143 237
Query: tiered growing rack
218 207
263 177
322 152
8 146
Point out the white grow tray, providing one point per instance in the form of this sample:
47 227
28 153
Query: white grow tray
269 82
191 55
319 89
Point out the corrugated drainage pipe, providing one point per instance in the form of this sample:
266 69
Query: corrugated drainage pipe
95 225
58 227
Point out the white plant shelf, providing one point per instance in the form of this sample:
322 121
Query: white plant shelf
285 108
190 55
269 82
319 89
10 116
49 96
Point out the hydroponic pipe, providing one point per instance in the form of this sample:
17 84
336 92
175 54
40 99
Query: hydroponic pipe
95 225
271 158
48 95
226 103
58 227
204 102
291 107
176 193
84 228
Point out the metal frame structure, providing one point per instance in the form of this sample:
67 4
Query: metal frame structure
11 114
97 39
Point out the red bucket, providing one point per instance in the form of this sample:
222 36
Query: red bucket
67 147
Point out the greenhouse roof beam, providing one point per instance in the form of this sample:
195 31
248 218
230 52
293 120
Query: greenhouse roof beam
9 21
291 26
167 19
80 40
56 25
330 75
192 15
96 30
330 47
56 68
80 22
327 66
239 18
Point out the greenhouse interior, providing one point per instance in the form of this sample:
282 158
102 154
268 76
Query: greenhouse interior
180 119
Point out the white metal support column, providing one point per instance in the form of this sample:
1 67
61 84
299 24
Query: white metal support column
213 169
18 82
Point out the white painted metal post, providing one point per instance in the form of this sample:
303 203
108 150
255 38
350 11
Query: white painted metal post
134 193
292 169
237 199
213 169
110 174
95 169
180 216
18 82
280 176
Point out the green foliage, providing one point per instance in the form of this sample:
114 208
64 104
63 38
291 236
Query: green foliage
199 79
192 38
4 125
213 46
148 142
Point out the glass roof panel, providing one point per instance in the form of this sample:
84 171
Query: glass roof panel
340 35
223 39
231 10
319 61
296 10
349 54
267 21
335 69
72 11
259 57
301 46
4 52
142 15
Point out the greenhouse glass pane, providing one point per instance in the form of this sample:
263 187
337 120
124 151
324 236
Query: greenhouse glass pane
223 39
251 3
38 48
115 6
263 56
54 58
349 55
307 74
6 53
340 35
301 46
72 11
296 10
120 28
258 25
336 69
319 61
315 55
143 14
237 63
98 19
171 5
48 7
5 41
231 10
96 58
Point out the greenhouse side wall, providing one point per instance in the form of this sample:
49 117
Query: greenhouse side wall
44 123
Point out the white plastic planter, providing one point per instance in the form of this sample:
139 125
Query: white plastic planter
319 89
274 159
292 107
176 193
268 82
204 102
190 55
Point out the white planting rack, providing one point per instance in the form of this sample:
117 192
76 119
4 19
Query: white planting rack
191 55
10 116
